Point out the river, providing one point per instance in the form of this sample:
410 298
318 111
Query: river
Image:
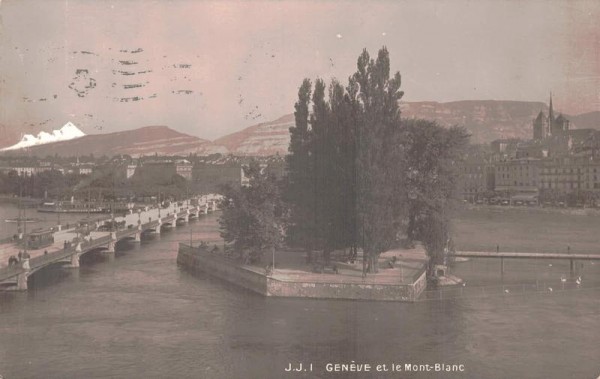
139 315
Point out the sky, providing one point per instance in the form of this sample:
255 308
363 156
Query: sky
211 68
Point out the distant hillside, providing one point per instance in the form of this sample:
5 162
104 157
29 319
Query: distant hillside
589 120
486 120
267 138
143 141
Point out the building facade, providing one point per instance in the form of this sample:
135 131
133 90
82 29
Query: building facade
571 174
520 175
184 168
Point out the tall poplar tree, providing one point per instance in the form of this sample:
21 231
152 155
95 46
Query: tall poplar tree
298 191
379 154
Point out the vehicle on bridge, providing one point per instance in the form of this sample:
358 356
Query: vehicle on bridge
38 239
112 225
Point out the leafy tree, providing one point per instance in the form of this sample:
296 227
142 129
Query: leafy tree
379 153
433 153
299 180
358 175
252 219
342 169
353 158
320 180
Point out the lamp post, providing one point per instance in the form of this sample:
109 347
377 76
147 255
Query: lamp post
25 230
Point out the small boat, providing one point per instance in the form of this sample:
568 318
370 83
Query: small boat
19 220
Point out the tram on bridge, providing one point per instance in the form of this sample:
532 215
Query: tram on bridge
38 239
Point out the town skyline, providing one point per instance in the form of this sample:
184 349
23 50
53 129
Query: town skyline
206 70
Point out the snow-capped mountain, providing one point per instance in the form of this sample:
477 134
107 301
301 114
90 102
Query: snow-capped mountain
142 141
68 132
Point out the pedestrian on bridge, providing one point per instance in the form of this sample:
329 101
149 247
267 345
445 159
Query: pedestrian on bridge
12 260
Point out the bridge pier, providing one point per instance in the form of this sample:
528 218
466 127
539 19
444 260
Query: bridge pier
110 248
112 243
138 235
75 257
502 266
22 281
22 277
174 222
157 230
74 261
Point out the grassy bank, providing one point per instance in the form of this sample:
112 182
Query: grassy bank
527 229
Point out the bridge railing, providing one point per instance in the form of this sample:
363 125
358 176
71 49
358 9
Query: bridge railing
521 255
45 259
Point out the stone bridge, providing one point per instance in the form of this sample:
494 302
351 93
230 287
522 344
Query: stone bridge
69 245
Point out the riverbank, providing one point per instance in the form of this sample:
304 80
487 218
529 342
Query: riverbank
404 280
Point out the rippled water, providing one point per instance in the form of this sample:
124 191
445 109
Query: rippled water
141 316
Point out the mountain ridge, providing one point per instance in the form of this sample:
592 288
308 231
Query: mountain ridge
485 120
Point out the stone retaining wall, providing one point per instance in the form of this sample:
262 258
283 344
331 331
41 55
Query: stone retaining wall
201 260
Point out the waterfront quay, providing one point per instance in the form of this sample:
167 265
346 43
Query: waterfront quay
401 277
68 245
